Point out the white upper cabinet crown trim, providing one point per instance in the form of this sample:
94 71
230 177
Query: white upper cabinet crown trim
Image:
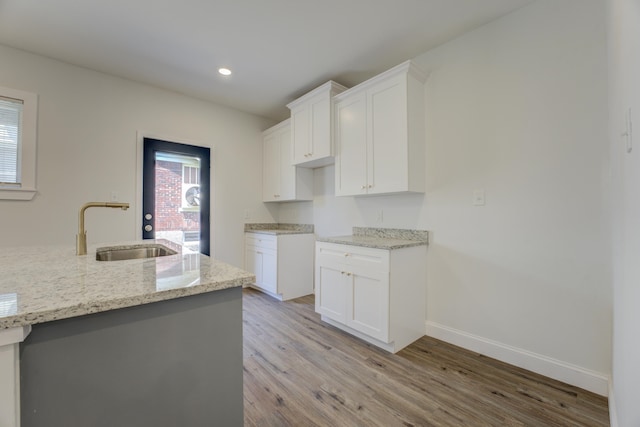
328 87
407 67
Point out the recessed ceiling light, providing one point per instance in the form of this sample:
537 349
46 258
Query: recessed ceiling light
224 71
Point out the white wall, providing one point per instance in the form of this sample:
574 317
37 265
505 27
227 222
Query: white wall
624 86
87 136
517 108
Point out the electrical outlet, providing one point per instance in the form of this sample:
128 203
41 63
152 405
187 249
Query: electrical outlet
247 215
115 196
478 198
380 216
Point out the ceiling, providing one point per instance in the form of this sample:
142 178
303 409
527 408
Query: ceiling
277 49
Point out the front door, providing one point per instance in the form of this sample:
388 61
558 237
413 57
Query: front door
176 201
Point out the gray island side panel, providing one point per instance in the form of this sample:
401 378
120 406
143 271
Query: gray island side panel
168 363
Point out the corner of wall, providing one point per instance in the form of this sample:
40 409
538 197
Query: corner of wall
613 413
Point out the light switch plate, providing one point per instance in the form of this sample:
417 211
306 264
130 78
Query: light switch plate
478 198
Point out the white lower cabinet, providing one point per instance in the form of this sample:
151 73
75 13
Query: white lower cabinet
263 263
378 295
10 340
282 264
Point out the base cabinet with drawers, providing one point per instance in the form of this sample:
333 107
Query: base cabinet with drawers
282 264
378 295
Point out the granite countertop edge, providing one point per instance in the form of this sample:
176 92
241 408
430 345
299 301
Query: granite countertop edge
276 232
381 238
278 228
373 242
99 306
72 294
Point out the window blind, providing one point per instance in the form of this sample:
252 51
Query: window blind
10 119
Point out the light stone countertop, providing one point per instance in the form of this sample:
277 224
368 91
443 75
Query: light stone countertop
372 242
381 238
278 228
44 283
276 232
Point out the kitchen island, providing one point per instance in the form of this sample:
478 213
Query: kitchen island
139 342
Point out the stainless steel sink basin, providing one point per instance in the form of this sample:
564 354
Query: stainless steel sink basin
120 253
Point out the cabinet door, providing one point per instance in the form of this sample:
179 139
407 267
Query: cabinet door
287 190
332 290
369 302
351 145
271 174
387 156
253 263
269 271
320 131
300 131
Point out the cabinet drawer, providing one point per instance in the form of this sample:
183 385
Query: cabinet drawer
263 241
355 256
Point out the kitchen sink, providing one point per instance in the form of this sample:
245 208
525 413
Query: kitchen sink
120 253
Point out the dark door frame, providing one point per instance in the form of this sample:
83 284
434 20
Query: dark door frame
150 147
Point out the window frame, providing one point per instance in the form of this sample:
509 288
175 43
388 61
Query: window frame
195 165
26 189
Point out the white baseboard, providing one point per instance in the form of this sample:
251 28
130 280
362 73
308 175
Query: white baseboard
593 381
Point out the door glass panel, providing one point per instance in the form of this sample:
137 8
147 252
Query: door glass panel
177 199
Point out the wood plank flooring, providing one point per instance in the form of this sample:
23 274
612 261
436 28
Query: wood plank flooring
299 371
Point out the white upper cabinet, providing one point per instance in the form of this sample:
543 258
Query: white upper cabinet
351 129
311 126
379 134
281 181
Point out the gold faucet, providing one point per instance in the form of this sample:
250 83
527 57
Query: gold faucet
81 238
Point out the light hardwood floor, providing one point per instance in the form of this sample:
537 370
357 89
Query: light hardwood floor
299 371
